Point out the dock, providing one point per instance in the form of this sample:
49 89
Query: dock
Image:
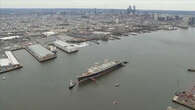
40 53
171 108
66 47
19 48
190 103
10 63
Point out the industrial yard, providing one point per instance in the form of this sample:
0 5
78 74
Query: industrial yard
19 28
69 29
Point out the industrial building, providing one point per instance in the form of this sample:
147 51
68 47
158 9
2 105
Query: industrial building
69 48
10 37
40 53
4 62
192 21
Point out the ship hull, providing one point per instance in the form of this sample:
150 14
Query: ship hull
98 74
191 70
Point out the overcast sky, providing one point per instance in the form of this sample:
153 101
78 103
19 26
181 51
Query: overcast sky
140 4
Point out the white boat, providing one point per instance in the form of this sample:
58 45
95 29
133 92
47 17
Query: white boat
72 84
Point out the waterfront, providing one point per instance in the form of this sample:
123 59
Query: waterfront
157 67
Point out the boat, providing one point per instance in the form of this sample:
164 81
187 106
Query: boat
117 85
115 102
133 33
191 70
3 77
100 69
52 49
72 84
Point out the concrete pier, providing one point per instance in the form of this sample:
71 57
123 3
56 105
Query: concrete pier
183 101
10 63
40 53
68 48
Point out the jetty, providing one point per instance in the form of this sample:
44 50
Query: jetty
40 53
186 98
10 63
66 47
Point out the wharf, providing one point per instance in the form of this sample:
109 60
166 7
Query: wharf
15 49
8 69
10 63
40 53
66 47
171 108
184 102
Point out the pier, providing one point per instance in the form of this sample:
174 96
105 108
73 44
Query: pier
68 48
10 63
40 53
184 102
186 98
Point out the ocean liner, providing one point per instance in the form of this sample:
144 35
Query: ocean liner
100 69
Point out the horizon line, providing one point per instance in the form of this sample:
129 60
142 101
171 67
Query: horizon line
94 8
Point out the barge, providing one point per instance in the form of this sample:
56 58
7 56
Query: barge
40 53
66 47
10 63
99 70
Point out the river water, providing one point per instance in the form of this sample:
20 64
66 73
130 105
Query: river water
157 68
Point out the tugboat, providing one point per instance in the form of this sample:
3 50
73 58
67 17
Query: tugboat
191 70
117 85
52 49
72 84
99 70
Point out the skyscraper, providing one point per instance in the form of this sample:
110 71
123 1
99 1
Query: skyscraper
134 9
192 22
129 10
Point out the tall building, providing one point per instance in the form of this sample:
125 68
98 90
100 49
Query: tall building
186 20
192 21
134 9
129 10
155 16
95 11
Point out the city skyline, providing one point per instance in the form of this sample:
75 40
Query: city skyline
122 4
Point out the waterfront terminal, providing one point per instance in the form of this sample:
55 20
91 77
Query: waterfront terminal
67 47
40 53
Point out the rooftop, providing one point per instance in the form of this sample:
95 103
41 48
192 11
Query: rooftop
40 50
4 62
